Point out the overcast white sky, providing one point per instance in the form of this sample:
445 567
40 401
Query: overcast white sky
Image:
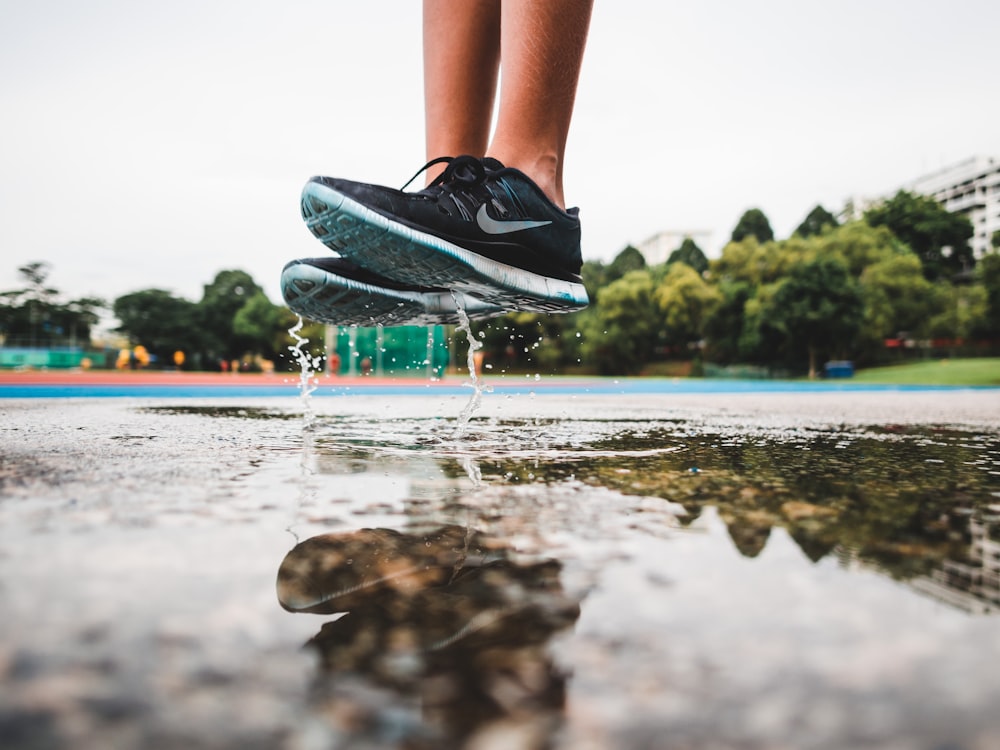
152 144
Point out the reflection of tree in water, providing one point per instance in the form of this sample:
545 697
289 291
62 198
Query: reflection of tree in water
907 500
444 619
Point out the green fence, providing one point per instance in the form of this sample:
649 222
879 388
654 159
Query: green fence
60 358
398 351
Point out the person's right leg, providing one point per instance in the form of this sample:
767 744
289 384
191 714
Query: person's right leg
542 44
461 62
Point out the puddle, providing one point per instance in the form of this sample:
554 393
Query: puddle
236 412
614 573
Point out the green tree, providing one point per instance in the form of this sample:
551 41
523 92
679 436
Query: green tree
897 298
76 319
26 313
597 275
686 301
264 325
753 262
763 339
34 315
159 321
689 253
988 271
818 308
939 238
818 221
36 276
629 259
618 337
221 301
960 308
724 325
753 223
746 274
860 245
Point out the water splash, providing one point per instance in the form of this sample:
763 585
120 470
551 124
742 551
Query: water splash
307 384
307 379
475 382
475 474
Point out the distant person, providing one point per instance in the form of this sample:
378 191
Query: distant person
492 221
333 363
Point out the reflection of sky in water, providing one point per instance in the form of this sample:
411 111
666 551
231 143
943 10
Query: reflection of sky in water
755 582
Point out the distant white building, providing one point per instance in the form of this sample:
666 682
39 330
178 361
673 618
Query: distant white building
658 248
970 188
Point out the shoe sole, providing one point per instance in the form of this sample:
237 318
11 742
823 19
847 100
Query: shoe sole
412 257
330 298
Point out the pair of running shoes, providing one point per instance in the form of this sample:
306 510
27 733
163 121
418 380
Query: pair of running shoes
481 237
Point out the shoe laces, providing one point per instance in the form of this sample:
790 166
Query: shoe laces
464 171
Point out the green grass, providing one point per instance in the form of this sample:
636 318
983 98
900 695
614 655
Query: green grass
984 371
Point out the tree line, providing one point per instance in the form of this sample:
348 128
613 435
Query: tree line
233 320
900 275
35 314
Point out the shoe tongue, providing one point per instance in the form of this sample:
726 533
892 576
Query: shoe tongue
493 164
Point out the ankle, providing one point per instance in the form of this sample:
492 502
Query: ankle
545 170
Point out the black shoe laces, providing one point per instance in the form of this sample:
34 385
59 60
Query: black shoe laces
459 181
464 171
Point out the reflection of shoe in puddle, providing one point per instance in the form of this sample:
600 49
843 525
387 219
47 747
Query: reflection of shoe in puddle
340 572
444 617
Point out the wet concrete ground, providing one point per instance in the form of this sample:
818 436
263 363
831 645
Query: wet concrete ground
742 571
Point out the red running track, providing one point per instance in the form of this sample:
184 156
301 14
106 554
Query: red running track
157 377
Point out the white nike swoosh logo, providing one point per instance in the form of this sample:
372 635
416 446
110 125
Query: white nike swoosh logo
491 226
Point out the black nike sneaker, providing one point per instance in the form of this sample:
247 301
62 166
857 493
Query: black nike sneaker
339 292
479 228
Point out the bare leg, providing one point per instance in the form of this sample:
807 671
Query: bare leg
461 61
542 43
